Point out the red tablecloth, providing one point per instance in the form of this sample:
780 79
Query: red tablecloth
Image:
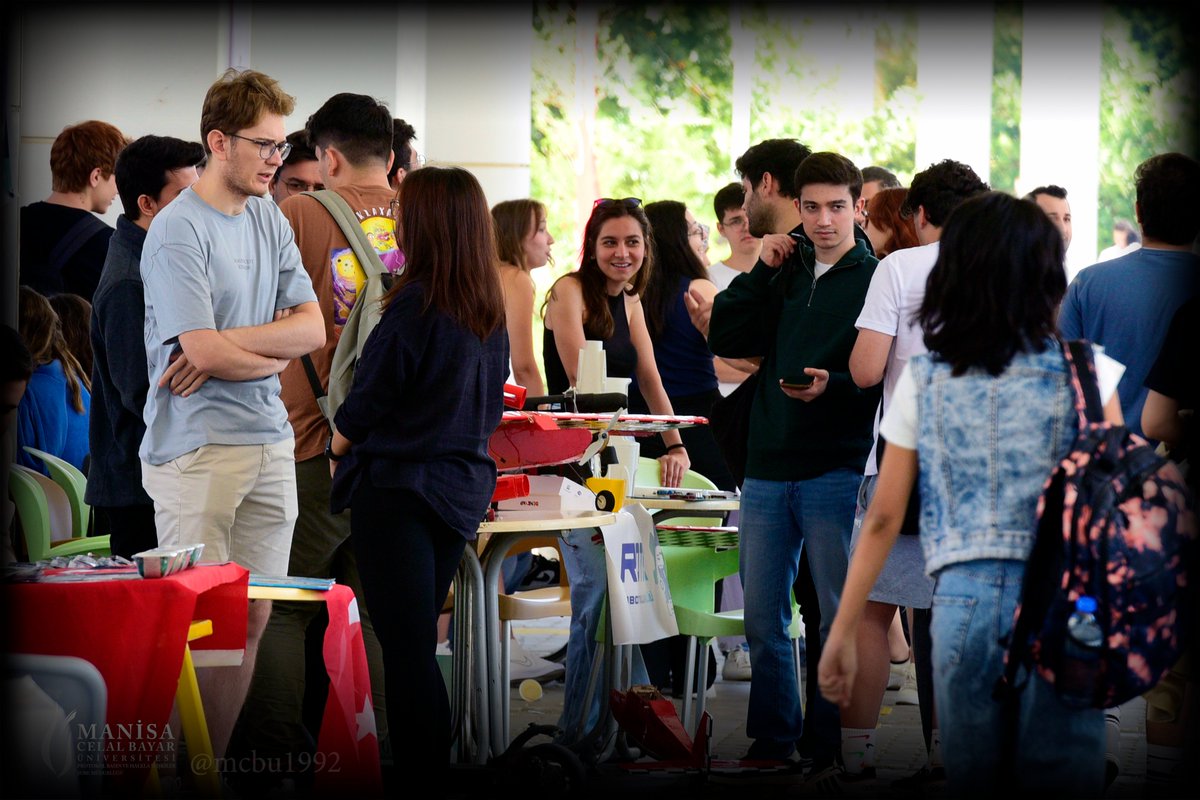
134 632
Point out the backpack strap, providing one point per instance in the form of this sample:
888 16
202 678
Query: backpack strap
368 259
343 215
76 237
1082 369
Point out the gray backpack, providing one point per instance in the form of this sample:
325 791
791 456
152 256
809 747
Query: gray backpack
364 316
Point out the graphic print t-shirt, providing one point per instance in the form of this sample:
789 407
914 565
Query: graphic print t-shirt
337 278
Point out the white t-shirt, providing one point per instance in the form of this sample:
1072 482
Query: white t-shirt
820 269
894 296
900 420
721 274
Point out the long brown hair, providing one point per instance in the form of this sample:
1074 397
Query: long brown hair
445 231
514 221
675 259
75 321
597 319
42 333
884 211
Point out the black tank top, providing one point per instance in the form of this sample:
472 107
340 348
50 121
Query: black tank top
620 354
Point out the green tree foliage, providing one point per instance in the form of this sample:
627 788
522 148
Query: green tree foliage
1148 99
1006 98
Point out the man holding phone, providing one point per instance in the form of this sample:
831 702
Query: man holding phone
810 428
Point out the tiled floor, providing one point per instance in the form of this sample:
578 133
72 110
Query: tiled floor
900 746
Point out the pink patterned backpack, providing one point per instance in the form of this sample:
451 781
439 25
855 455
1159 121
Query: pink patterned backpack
1116 523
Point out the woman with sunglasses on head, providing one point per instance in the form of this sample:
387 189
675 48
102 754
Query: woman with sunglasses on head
886 227
409 449
523 244
601 301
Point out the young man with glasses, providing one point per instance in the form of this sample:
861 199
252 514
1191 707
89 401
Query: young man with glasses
228 305
299 172
404 157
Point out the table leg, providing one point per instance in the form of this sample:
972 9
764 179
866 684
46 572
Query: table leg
201 759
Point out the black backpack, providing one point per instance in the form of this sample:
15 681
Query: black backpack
1116 522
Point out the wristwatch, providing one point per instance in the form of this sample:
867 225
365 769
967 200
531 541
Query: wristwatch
332 456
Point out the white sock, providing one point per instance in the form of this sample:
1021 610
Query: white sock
935 749
1162 763
858 749
1112 735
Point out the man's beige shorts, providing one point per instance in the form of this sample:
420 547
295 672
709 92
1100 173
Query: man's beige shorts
239 500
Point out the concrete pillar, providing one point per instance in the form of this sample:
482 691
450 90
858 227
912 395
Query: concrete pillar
1060 114
954 80
478 84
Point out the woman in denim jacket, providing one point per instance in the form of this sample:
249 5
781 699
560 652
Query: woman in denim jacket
987 414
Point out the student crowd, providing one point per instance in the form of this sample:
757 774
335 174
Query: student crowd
180 360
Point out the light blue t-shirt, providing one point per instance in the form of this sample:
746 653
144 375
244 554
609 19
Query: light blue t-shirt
1126 306
206 270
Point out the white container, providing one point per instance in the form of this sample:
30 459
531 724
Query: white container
617 385
593 368
627 451
552 493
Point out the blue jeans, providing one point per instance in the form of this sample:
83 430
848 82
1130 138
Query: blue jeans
1058 748
588 574
778 519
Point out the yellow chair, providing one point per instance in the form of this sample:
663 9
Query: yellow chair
73 482
547 601
44 509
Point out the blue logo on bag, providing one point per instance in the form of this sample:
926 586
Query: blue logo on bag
632 561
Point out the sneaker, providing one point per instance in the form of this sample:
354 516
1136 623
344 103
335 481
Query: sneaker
769 750
917 784
825 780
907 695
542 572
737 665
896 675
524 666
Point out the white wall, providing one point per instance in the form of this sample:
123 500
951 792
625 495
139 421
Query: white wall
461 75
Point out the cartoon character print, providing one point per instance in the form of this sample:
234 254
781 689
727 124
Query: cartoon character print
347 274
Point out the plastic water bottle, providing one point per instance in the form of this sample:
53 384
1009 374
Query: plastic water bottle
1079 670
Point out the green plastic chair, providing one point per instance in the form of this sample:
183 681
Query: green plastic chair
34 510
73 482
692 572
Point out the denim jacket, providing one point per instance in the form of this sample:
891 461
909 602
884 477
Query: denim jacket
986 446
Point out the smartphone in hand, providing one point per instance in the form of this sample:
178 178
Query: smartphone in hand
802 381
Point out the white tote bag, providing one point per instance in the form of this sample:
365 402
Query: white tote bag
639 599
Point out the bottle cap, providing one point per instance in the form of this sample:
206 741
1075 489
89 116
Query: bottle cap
1085 604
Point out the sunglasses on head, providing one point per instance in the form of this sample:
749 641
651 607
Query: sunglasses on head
628 202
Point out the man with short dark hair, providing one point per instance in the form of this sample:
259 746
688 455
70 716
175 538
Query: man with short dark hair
874 180
405 158
299 172
351 136
887 337
733 224
63 243
810 426
150 173
1053 200
1126 304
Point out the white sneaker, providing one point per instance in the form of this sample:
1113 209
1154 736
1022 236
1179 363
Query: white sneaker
523 665
907 695
737 665
896 675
